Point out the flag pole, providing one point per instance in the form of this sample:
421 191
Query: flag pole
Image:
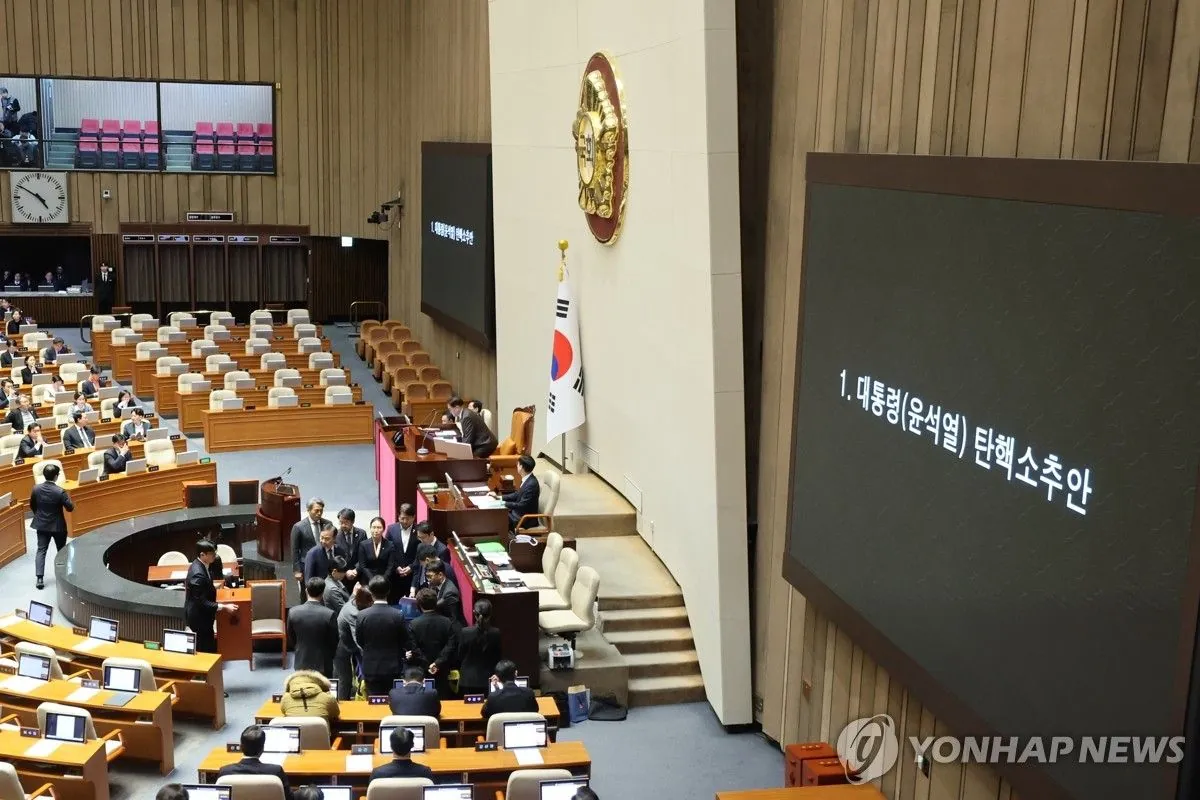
562 271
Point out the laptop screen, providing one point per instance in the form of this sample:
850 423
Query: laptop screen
40 613
455 791
198 792
33 666
518 681
179 642
101 628
333 686
281 739
385 737
524 734
561 789
64 727
122 679
336 792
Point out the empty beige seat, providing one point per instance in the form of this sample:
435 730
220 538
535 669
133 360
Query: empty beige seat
108 408
103 322
72 373
253 787
548 496
495 724
148 683
164 365
95 459
332 372
39 471
172 558
338 395
216 332
256 346
581 616
287 377
397 788
320 360
433 728
31 649
309 344
218 396
143 322
183 384
262 331
276 392
61 412
303 329
295 316
213 363
526 784
10 784
176 317
144 351
564 580
10 443
121 335
226 554
233 376
272 361
314 731
550 556
35 341
223 318
42 394
159 452
204 347
168 333
262 316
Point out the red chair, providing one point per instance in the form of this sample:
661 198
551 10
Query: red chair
204 130
226 156
89 126
245 131
224 132
266 156
88 154
247 158
110 152
205 155
150 145
110 127
264 130
131 127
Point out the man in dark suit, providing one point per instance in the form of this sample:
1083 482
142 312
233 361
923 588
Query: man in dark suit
525 499
312 629
475 431
413 699
434 643
78 436
106 288
22 416
319 561
304 536
506 696
375 557
382 634
429 548
57 347
32 443
117 456
447 600
253 740
137 427
91 386
402 765
348 539
403 536
200 604
48 501
11 357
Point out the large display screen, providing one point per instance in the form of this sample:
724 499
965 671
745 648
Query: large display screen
457 264
996 447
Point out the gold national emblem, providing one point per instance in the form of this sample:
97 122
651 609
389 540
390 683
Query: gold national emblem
602 149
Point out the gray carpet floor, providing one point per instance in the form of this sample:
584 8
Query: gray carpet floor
664 752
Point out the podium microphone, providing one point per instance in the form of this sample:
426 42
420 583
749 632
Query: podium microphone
283 477
423 450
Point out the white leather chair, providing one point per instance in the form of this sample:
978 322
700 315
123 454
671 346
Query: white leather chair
120 335
329 372
334 392
159 452
39 471
262 317
235 375
581 616
113 745
548 496
314 731
262 331
303 329
165 332
321 360
526 784
256 346
177 317
433 729
144 351
162 366
276 392
227 555
31 649
214 332
61 411
183 384
213 363
559 597
102 322
11 789
10 444
488 419
296 316
72 373
308 344
253 787
35 341
142 322
95 460
272 361
173 558
148 682
397 788
495 725
550 556
204 347
282 377
108 407
217 396
223 318
41 394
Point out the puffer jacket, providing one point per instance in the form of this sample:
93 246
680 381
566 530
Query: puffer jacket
306 694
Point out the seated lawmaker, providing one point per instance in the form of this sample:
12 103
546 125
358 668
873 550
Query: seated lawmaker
525 499
475 431
78 436
79 402
402 765
14 322
8 395
125 399
11 357
412 699
32 442
505 695
117 456
23 415
57 348
91 386
30 369
137 427
253 741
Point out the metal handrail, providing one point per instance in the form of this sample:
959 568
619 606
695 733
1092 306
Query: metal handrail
85 331
379 304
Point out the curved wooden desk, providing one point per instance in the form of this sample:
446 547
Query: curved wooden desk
18 478
192 406
127 366
287 427
166 388
146 370
77 771
12 529
122 495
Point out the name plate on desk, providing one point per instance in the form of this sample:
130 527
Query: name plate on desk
149 645
102 478
31 733
88 683
152 468
362 750
377 700
175 437
233 747
471 699
20 612
486 747
276 698
79 631
7 670
206 460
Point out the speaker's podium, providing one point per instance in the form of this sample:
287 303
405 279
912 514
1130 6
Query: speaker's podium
278 511
234 642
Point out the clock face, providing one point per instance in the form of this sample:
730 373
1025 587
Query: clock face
39 197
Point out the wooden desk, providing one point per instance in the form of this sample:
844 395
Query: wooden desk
460 721
102 340
77 771
399 471
867 792
287 427
12 529
146 370
126 364
145 721
191 407
489 771
103 430
18 478
199 685
166 388
469 522
177 573
123 496
233 630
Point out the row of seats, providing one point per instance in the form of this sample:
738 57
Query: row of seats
268 359
166 334
398 361
334 396
284 377
246 146
566 591
109 144
141 322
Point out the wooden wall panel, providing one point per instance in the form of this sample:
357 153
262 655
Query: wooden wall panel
341 275
1117 79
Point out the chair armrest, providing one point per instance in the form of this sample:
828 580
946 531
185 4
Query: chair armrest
45 790
546 527
113 734
499 794
442 743
83 673
167 686
336 744
8 718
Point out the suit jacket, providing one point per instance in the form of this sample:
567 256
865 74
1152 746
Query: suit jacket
50 355
316 565
27 375
524 500
114 460
335 596
414 700
369 565
402 556
510 698
131 429
418 576
29 448
8 359
200 598
478 654
402 768
17 421
89 388
383 636
449 602
252 766
433 641
312 628
72 437
349 545
47 501
303 540
105 290
476 433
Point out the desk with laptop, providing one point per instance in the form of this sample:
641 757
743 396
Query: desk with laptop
103 499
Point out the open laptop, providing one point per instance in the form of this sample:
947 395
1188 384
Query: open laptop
521 681
41 613
449 791
335 380
41 379
340 400
127 412
281 742
35 667
287 401
53 450
335 792
65 727
64 397
124 682
385 738
179 642
187 457
135 465
231 404
157 433
518 735
103 629
89 475
562 789
195 791
67 358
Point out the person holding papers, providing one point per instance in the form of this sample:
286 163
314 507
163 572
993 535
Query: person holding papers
525 499
506 696
253 741
117 456
78 436
475 431
402 765
32 443
48 502
137 427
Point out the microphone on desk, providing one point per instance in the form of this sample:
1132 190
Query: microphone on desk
283 477
423 450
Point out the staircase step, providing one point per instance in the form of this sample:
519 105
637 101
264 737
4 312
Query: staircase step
652 641
642 619
665 691
640 602
662 665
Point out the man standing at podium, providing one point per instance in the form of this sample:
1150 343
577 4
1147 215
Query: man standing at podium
475 431
200 604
